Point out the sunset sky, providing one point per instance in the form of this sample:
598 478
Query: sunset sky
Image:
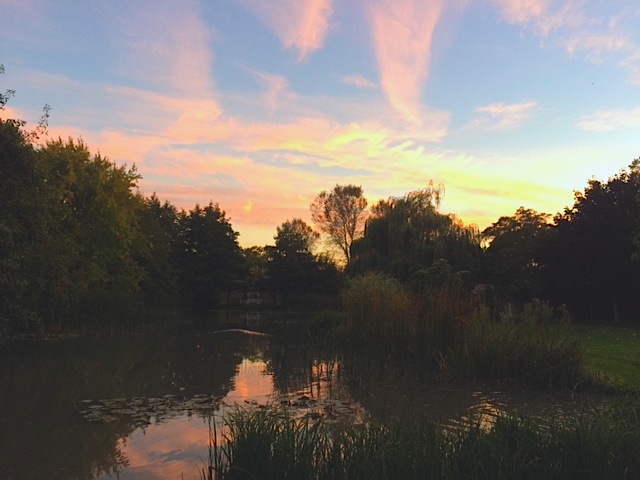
259 105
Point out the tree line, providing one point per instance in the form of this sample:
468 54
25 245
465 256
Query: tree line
80 247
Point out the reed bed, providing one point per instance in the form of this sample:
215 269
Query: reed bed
453 333
591 444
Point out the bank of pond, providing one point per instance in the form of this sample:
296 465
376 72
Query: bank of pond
391 387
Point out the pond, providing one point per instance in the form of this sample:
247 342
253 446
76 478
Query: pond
141 407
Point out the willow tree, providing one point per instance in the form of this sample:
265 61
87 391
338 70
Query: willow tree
340 214
405 236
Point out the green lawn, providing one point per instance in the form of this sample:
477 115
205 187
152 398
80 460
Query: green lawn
614 352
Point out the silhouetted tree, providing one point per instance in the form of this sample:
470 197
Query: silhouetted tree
94 231
512 259
407 235
340 214
293 268
210 259
257 263
591 260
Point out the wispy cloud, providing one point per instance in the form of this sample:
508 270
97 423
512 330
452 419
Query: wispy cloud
300 24
498 116
610 120
632 65
522 11
595 46
276 87
544 16
167 47
576 27
403 33
359 81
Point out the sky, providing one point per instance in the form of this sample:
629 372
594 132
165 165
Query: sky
259 105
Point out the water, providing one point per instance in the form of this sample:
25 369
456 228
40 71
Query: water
140 407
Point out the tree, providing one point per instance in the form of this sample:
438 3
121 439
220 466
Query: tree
295 237
155 252
405 236
68 231
22 228
340 214
257 263
93 231
293 268
512 259
210 258
592 258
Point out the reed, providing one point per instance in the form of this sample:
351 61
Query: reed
268 445
523 350
449 331
378 311
601 443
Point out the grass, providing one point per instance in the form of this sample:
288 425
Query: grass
591 444
612 352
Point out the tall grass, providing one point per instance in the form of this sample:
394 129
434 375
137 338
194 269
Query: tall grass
452 332
531 348
266 445
594 444
379 311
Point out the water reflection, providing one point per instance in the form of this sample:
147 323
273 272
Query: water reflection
139 407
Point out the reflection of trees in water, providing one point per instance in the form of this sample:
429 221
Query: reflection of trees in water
306 369
401 391
43 437
43 386
43 434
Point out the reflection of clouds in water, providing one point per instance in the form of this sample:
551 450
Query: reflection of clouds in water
316 388
251 381
176 449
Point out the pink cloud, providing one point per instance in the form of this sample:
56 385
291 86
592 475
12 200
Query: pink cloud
276 87
359 81
167 46
403 33
506 115
545 16
522 11
300 24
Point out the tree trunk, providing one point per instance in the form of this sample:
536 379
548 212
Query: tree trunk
616 310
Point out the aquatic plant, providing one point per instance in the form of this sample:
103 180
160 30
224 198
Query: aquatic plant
520 349
602 443
378 311
446 329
